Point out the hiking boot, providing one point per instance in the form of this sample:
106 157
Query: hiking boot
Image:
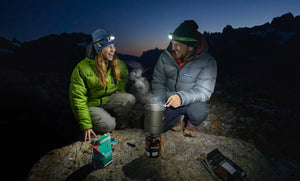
178 126
190 130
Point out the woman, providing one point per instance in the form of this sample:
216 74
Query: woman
97 87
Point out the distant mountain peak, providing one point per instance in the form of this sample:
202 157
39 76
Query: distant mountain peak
284 22
227 29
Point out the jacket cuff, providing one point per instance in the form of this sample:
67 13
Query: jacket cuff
180 99
85 127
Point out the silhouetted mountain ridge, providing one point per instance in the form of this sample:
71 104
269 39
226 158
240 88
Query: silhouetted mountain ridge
60 53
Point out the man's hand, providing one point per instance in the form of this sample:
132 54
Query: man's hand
174 101
87 134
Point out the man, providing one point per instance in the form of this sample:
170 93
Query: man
184 77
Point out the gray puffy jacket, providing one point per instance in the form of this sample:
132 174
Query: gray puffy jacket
193 82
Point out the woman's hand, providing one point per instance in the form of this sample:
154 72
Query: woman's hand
174 101
87 134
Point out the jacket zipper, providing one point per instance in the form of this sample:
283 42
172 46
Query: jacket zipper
105 90
104 94
177 79
180 67
107 66
177 70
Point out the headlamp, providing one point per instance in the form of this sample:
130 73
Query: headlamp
109 38
180 38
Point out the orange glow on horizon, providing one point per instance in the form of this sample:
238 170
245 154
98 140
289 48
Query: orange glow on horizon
138 51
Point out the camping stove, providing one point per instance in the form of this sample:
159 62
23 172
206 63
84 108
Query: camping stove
153 126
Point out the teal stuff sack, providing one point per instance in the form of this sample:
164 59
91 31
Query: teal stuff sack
102 152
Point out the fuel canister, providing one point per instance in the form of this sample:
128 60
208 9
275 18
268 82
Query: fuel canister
153 146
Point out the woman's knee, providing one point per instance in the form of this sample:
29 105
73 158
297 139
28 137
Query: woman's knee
105 126
127 102
120 100
111 125
128 99
102 121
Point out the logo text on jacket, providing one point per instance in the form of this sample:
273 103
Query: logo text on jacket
187 75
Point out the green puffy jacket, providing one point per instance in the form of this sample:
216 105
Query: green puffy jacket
85 90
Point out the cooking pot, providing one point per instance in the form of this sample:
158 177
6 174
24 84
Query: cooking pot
153 124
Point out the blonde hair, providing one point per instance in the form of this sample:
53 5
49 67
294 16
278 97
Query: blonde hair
102 69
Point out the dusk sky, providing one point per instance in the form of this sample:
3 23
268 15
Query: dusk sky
138 25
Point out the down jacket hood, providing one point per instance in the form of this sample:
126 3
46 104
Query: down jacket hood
201 48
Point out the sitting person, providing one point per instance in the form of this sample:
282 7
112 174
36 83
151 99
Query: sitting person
97 87
185 76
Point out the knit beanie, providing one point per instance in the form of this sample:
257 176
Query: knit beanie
101 39
187 33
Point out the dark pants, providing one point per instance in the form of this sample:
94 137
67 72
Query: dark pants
195 113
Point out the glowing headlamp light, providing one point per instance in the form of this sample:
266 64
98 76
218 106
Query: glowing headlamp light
108 38
180 38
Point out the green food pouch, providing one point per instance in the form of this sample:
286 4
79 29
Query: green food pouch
102 152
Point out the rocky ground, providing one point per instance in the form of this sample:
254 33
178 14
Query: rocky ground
178 159
260 119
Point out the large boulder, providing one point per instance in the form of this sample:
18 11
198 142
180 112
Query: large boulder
178 159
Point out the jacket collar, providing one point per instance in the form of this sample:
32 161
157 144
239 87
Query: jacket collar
201 48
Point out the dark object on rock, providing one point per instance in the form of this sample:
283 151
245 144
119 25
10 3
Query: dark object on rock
131 145
219 164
